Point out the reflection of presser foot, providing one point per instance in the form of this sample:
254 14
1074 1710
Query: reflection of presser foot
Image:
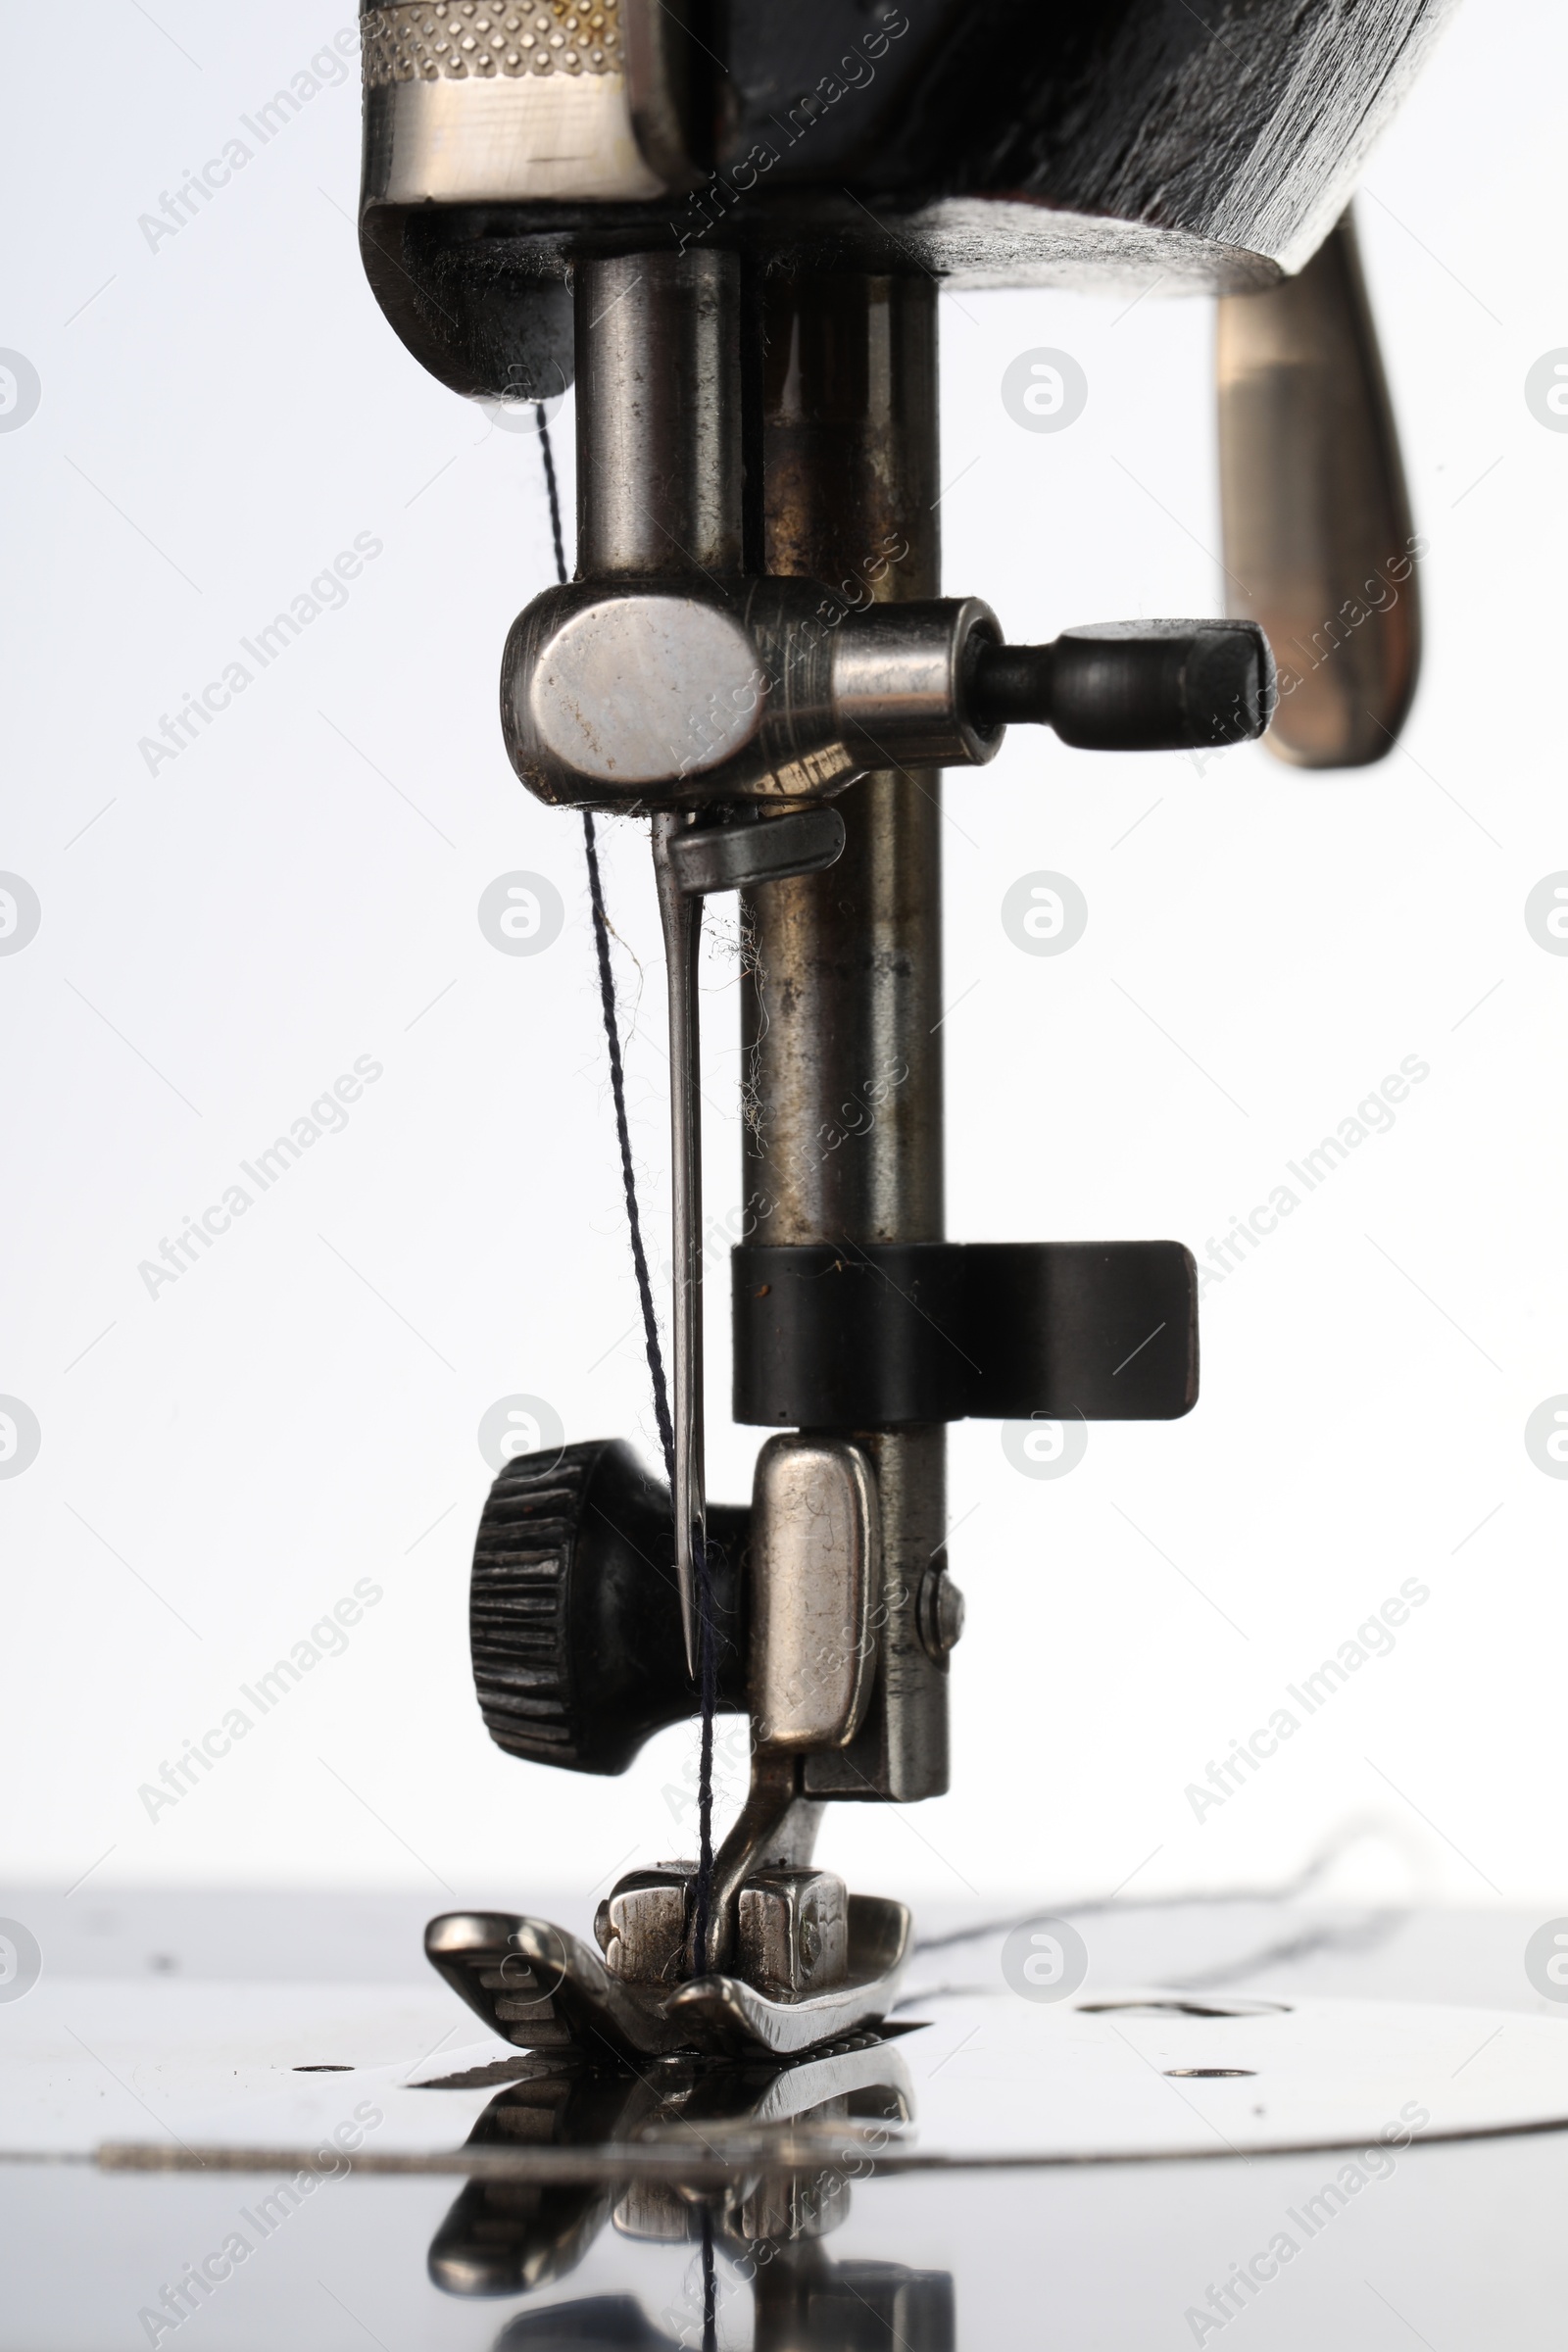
805 2302
789 2130
542 1988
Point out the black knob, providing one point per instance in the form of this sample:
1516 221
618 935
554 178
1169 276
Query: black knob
574 1617
1132 685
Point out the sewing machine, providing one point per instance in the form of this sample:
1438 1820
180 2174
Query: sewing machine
727 228
730 234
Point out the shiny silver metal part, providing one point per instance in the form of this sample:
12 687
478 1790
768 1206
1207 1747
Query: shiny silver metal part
793 1931
899 675
717 2011
816 1547
775 1830
710 691
791 1927
658 414
628 689
499 105
642 1925
940 1612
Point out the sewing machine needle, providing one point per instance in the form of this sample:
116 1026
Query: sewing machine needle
683 918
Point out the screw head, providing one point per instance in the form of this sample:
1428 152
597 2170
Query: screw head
940 1613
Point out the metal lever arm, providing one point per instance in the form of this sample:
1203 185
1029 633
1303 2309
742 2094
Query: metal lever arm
746 852
1319 542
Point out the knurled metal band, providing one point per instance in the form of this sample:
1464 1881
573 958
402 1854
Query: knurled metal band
414 40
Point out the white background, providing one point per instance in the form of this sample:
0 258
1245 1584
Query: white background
220 1464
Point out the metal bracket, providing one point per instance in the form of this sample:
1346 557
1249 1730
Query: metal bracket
879 1335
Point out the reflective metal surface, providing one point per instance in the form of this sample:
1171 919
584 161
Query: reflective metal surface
538 1986
842 1014
441 2196
506 104
731 689
1102 2259
900 683
1319 541
659 414
628 690
816 1546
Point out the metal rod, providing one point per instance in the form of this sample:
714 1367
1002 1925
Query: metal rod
658 414
659 493
843 1009
775 1829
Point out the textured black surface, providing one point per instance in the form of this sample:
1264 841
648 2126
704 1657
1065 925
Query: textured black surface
469 307
996 141
1227 120
575 1613
876 1336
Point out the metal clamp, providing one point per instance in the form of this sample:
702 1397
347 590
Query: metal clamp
622 693
885 1334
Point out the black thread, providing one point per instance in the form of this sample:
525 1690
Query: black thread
707 1645
618 1089
553 491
